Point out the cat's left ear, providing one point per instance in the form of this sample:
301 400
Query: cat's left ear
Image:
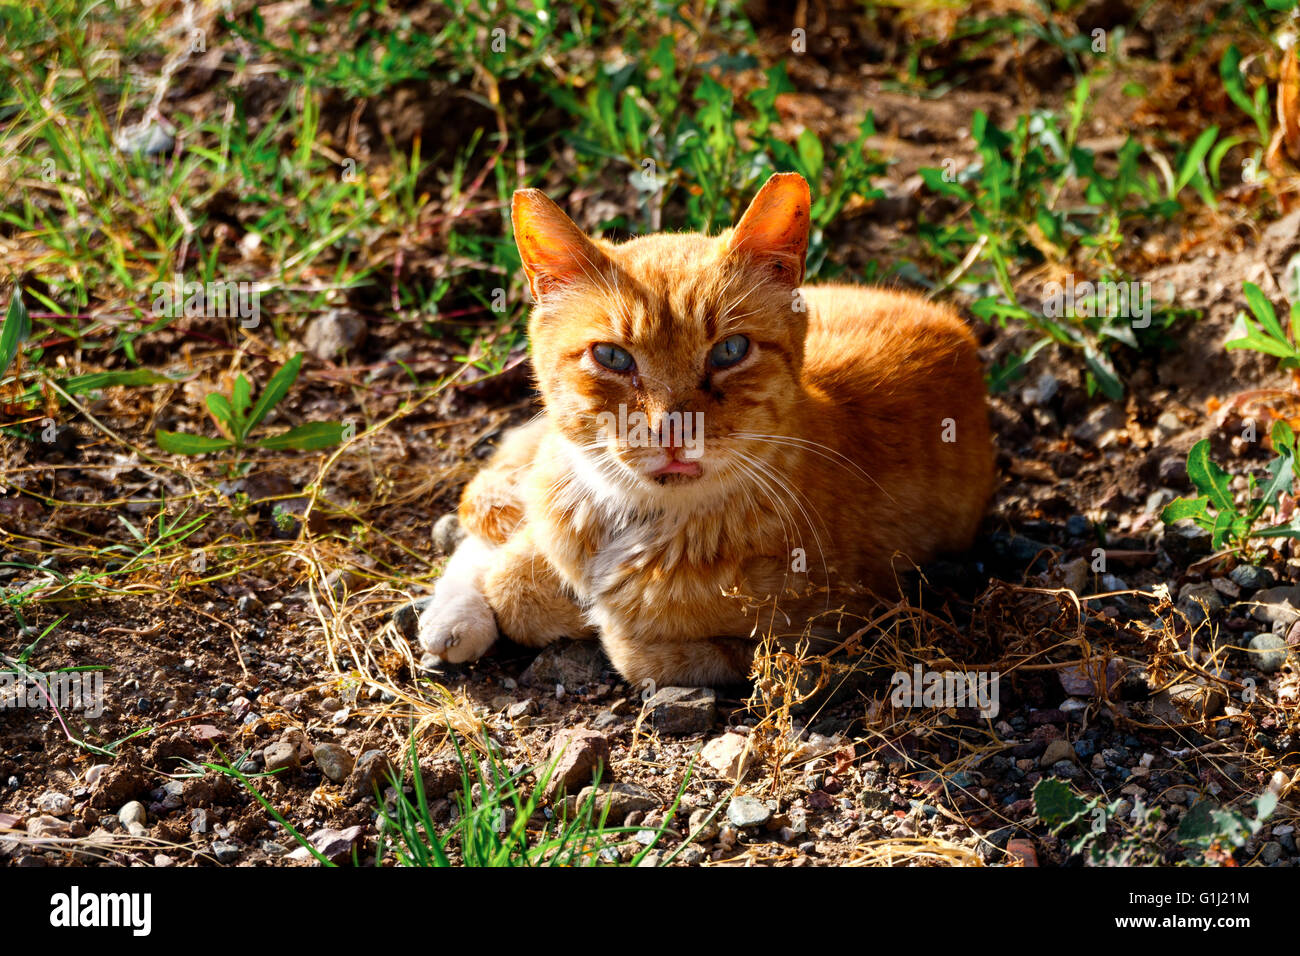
555 252
774 229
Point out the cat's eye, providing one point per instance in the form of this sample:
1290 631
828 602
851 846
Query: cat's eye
612 357
729 351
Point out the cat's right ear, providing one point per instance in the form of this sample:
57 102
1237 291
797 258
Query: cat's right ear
774 229
555 252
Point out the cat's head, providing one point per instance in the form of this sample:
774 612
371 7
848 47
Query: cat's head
654 356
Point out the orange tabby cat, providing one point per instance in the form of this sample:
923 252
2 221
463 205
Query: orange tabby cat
718 446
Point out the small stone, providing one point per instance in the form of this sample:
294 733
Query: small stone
334 333
1076 576
682 710
524 708
1078 526
1280 605
1185 542
1199 603
93 774
199 821
1023 850
280 756
46 827
578 753
372 769
621 798
1268 652
334 845
1057 750
149 137
1188 703
700 827
1251 577
746 812
1168 425
54 803
571 663
248 604
729 755
225 851
1102 426
132 812
333 761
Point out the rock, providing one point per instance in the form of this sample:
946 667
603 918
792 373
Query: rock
225 851
747 812
1158 499
700 827
1270 852
447 533
440 776
149 137
729 755
1185 542
1023 850
372 769
1172 471
1078 526
1076 575
407 620
621 798
1057 750
333 761
571 663
523 708
1080 682
682 710
130 813
1102 426
1268 652
92 774
1280 605
1168 425
47 827
280 756
248 604
54 803
1199 603
578 753
1251 577
1187 704
334 333
1227 587
334 845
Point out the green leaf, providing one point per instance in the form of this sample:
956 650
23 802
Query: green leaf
1056 804
17 327
1103 371
1208 477
275 390
1233 85
1192 161
1263 310
221 409
183 443
240 397
307 437
1180 508
811 155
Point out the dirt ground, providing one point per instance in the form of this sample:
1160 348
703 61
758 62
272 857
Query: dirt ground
287 630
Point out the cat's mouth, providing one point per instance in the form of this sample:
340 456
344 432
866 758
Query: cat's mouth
674 466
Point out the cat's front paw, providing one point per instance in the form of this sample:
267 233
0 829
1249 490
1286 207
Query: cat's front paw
458 626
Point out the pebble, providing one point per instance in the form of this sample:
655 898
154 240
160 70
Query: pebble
280 756
579 754
746 812
1057 751
334 761
682 710
372 769
54 803
130 813
729 756
1251 577
571 663
1268 652
1280 605
334 333
1271 852
707 831
621 798
225 851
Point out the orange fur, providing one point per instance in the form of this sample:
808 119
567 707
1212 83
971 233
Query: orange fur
853 432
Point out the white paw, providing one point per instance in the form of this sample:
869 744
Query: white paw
458 625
